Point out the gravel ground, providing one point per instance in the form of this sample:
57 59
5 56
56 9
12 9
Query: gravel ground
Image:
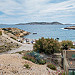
13 64
25 47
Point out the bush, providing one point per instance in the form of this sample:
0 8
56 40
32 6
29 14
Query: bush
28 57
34 58
51 66
0 32
73 46
42 61
19 52
48 46
66 44
62 73
27 66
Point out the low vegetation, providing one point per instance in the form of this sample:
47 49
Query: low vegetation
34 57
66 44
0 32
8 46
28 57
27 66
62 73
51 66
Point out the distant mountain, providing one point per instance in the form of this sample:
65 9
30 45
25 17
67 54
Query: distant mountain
56 23
41 23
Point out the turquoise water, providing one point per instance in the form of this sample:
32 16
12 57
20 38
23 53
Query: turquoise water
47 31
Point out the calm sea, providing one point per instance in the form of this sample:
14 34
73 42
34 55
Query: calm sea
47 31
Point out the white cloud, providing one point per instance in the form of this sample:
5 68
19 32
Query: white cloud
39 9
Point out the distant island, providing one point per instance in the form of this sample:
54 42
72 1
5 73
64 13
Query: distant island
43 23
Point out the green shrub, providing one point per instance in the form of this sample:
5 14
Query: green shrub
73 46
0 32
51 66
66 44
34 59
19 52
27 66
28 57
42 61
48 46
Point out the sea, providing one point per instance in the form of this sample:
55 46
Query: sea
46 31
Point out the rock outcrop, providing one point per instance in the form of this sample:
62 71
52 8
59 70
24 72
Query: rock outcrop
15 31
71 27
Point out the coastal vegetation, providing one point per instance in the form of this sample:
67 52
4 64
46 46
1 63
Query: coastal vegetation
0 32
34 57
65 45
27 66
51 46
47 46
8 46
62 73
51 66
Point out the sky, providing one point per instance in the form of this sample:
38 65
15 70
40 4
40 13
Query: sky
24 11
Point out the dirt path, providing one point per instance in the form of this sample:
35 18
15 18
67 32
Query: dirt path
25 47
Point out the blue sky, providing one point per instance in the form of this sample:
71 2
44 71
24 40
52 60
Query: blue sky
21 11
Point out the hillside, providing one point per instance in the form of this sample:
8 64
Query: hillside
16 66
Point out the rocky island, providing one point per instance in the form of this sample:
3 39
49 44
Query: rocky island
71 27
41 23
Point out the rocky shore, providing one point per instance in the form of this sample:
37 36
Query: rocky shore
15 31
71 27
